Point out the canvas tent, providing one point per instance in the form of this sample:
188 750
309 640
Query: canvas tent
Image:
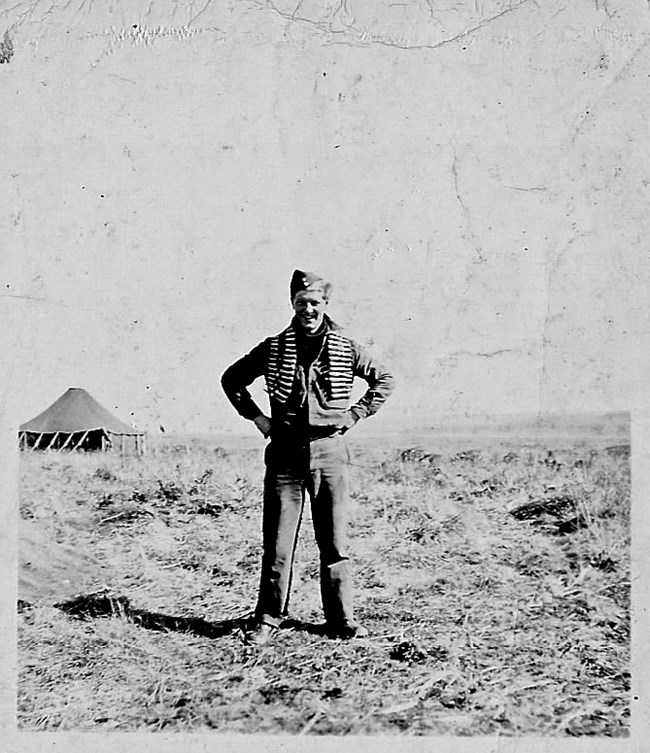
76 421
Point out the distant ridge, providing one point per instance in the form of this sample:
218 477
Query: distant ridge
571 423
606 427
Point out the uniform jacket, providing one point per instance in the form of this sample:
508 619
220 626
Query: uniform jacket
308 405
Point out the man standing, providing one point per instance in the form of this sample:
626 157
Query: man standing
309 370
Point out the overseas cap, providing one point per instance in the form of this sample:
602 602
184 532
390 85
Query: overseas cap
309 281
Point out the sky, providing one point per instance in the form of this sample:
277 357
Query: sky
474 186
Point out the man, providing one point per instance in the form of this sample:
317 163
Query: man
309 370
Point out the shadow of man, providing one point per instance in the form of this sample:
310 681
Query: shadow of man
94 605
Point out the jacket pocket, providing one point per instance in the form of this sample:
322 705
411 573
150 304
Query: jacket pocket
334 420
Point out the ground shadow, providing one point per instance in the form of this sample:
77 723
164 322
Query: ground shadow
109 605
303 627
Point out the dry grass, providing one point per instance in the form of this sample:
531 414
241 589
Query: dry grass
480 623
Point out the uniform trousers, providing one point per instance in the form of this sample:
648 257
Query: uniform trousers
323 475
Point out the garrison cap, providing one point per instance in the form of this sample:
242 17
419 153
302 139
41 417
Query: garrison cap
309 281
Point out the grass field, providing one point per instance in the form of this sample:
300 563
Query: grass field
481 621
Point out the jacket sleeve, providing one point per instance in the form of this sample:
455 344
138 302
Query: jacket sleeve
240 375
381 384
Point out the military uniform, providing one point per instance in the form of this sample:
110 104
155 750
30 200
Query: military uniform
309 379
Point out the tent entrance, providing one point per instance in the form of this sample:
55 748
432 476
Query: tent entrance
96 440
58 441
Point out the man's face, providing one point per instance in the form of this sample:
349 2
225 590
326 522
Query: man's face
310 308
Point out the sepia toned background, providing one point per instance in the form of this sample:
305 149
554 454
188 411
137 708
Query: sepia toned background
473 176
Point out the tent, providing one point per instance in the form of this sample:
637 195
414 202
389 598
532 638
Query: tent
76 421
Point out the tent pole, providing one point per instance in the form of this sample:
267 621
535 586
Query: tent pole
81 441
64 445
51 442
